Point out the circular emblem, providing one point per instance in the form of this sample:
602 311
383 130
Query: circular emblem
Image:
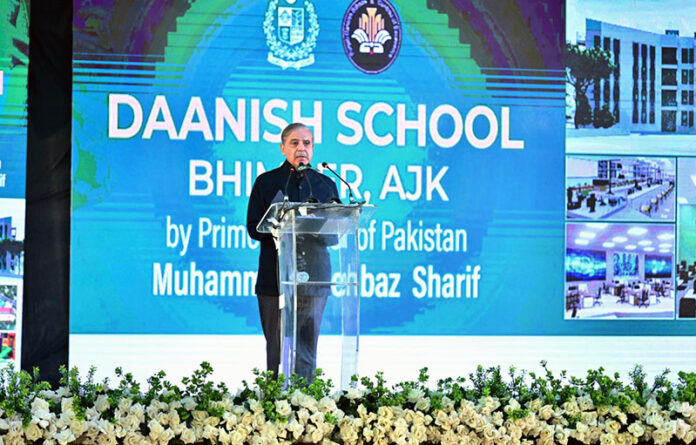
291 29
371 34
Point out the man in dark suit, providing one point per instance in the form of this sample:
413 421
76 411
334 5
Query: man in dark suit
297 145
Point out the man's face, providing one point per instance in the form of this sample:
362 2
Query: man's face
298 146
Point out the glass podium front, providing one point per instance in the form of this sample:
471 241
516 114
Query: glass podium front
319 277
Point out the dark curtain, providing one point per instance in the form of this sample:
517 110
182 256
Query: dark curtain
45 322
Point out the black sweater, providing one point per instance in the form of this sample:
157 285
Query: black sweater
266 187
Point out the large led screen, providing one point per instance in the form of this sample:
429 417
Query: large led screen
658 266
452 122
585 265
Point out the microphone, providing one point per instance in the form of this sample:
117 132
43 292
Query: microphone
301 168
351 198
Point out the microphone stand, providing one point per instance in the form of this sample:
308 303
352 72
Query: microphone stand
301 170
287 182
334 199
351 198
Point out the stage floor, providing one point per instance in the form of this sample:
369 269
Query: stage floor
233 357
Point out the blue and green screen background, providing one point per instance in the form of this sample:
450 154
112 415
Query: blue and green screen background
509 201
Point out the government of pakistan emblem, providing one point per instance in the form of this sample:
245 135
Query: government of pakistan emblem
291 30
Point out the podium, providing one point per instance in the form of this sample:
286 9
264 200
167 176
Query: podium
319 284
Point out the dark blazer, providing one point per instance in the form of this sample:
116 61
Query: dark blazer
312 255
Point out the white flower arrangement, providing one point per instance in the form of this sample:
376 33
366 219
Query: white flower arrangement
485 409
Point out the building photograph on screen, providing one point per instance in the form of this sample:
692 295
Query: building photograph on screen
12 239
630 83
619 271
620 188
686 264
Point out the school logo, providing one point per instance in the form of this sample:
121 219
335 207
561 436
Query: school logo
291 30
371 34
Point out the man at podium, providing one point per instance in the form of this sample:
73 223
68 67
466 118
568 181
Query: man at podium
295 181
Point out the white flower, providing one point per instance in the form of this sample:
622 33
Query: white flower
607 439
230 420
173 418
362 411
64 436
133 438
102 403
415 394
447 403
652 406
690 437
156 430
684 408
212 421
188 403
353 393
497 418
303 415
309 402
419 432
661 436
635 409
294 427
224 437
571 407
589 417
296 397
33 432
236 437
255 406
166 436
585 403
534 405
199 415
78 427
39 404
561 435
490 432
442 419
682 429
209 432
315 434
546 412
124 404
137 410
511 406
283 408
63 391
175 404
188 436
612 426
385 412
423 404
327 404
